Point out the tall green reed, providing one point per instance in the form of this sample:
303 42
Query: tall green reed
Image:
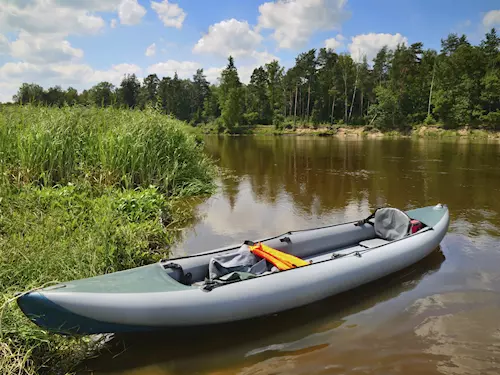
104 146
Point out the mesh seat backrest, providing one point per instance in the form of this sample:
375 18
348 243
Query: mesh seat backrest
391 223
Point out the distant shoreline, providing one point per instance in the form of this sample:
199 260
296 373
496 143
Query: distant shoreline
419 131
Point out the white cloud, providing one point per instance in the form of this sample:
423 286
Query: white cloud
45 16
492 18
43 49
80 76
244 71
335 43
64 74
229 37
4 45
115 73
151 50
65 17
262 58
94 5
169 13
44 54
184 69
7 90
130 12
213 74
294 21
370 44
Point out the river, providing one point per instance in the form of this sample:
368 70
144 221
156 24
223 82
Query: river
440 316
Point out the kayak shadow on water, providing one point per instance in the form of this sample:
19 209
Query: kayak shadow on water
129 351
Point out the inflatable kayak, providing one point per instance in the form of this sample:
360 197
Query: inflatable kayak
252 279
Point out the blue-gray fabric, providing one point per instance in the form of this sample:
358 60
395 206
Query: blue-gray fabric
391 224
240 261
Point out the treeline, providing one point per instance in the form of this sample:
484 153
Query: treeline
459 85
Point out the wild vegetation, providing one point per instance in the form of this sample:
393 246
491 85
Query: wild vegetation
85 191
457 86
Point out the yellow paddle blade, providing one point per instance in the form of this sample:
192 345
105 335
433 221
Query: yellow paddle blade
280 259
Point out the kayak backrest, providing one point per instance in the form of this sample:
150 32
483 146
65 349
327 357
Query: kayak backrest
391 224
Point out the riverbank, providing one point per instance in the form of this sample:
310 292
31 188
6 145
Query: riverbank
85 191
418 131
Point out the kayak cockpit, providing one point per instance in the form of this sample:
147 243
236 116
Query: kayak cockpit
239 263
309 246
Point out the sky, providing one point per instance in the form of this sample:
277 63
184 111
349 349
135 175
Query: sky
79 43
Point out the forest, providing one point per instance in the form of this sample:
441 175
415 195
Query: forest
408 85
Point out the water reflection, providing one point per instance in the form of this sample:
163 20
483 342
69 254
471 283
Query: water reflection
325 172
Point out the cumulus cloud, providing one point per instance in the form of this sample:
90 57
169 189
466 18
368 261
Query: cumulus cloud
492 18
7 90
130 12
44 16
294 21
184 69
213 74
79 76
151 50
244 71
94 5
238 39
369 44
169 13
261 58
65 17
115 74
229 37
4 45
335 43
43 49
38 31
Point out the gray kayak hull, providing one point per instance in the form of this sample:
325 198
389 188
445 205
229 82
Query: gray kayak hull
76 310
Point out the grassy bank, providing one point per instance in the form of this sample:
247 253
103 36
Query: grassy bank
85 192
417 131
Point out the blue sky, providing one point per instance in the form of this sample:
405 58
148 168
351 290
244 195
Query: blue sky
80 42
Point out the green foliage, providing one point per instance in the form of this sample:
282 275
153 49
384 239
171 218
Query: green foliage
102 94
108 147
66 233
129 90
429 120
148 92
29 93
386 112
230 97
492 119
278 121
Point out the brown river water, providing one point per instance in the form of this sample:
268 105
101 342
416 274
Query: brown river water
440 316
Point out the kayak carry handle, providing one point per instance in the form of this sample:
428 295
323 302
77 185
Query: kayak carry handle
286 239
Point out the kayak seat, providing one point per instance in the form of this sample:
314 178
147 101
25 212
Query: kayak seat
375 242
391 224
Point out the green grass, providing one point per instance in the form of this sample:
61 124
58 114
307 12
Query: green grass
48 146
85 192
